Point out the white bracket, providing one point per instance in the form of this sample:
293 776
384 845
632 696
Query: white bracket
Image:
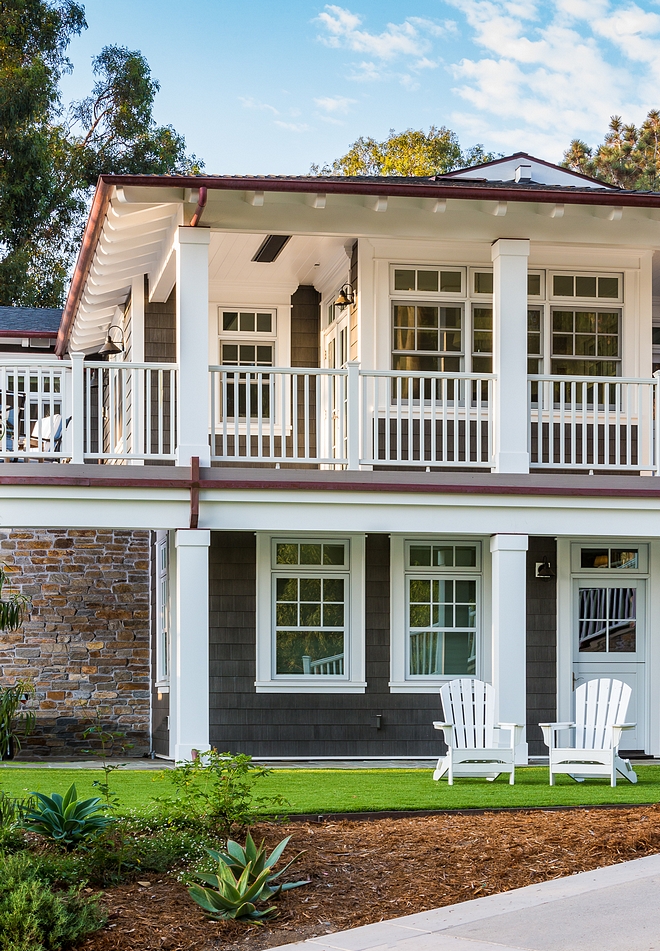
500 209
440 206
255 198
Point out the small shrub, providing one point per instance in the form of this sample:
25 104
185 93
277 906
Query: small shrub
110 742
13 702
67 819
254 857
231 898
33 917
219 788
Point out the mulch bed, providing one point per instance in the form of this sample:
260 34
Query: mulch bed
363 872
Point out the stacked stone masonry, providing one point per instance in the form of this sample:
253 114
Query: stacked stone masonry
85 645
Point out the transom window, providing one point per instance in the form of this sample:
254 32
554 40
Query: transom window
427 337
609 558
482 283
587 286
310 596
585 342
441 609
235 321
429 280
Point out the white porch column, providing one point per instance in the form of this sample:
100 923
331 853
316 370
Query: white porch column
192 335
509 632
510 353
189 698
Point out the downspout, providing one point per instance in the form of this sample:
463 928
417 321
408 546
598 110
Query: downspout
201 205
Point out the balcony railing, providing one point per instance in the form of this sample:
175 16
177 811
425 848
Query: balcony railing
97 412
119 413
351 417
603 423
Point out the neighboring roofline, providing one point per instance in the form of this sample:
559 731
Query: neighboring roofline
393 187
532 158
29 333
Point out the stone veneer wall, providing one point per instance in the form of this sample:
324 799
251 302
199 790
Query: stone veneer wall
86 643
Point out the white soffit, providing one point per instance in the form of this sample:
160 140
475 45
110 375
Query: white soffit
133 241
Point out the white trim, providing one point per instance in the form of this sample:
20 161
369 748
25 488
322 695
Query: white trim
354 679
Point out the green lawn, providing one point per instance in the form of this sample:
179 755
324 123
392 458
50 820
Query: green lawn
343 790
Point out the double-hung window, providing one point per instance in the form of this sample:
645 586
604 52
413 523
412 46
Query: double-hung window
310 615
436 603
247 339
586 324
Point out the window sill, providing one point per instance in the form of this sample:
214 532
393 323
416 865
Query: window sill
427 686
162 687
309 686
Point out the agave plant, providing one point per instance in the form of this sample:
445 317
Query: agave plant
231 898
66 819
238 859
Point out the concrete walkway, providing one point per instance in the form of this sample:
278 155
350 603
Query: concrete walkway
611 909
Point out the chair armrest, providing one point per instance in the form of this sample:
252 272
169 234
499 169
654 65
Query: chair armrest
550 730
617 730
515 730
448 730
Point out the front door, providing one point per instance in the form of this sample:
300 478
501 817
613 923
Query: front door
609 642
335 357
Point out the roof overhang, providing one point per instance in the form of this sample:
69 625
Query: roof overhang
133 217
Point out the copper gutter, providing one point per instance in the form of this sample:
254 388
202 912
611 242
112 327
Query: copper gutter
201 205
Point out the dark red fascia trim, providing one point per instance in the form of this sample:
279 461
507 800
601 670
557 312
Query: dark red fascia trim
293 484
42 334
420 189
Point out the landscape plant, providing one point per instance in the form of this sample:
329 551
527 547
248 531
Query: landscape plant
13 714
218 789
36 917
66 819
254 858
111 741
229 897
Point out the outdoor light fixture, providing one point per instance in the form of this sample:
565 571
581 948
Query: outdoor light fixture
544 570
110 345
346 295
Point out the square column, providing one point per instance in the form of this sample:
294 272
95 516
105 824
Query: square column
510 258
192 344
189 696
509 606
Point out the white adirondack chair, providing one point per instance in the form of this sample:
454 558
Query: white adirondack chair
600 713
469 710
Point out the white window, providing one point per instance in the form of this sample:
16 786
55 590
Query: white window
310 614
162 611
247 337
436 612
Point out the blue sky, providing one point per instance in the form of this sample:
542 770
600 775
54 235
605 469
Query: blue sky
261 86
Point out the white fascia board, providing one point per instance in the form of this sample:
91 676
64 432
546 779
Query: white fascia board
251 510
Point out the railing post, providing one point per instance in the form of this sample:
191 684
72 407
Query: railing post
656 412
353 414
77 408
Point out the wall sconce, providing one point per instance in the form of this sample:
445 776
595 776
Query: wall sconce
111 346
346 295
544 570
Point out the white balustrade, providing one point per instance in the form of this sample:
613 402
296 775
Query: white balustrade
426 419
599 423
33 410
130 411
270 415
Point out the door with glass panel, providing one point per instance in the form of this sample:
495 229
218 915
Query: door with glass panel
610 638
333 391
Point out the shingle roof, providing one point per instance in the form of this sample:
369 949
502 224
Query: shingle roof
30 319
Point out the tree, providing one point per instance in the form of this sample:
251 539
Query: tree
410 153
629 157
50 159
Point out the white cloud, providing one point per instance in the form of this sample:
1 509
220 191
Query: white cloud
549 73
292 126
335 104
249 103
411 38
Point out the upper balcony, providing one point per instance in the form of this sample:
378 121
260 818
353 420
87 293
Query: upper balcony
79 411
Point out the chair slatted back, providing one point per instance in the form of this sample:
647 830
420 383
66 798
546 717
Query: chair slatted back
470 705
599 704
